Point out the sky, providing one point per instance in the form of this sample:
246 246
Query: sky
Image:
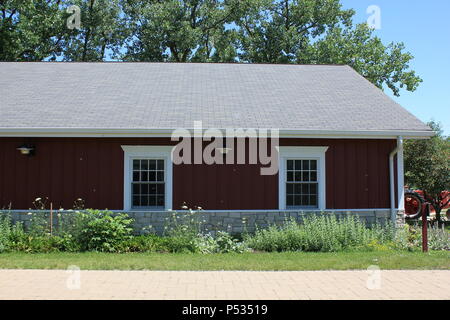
424 27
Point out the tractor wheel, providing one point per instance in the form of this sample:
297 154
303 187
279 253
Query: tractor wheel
413 205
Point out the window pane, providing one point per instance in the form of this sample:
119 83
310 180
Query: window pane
144 188
136 201
144 176
152 189
160 201
305 176
305 200
298 188
313 200
313 187
290 176
160 165
136 188
289 188
297 200
290 164
313 176
152 165
298 164
160 189
313 165
305 189
298 176
152 201
144 164
305 165
290 200
160 176
135 164
135 175
144 201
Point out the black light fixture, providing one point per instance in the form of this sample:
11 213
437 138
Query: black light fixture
26 149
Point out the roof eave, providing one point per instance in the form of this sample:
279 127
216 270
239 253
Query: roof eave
283 133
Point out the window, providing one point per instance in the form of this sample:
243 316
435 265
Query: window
301 183
301 178
148 186
147 177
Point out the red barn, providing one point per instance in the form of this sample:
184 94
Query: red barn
107 133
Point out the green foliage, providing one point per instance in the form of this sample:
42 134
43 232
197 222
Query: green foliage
142 243
383 65
102 29
30 30
427 165
96 230
181 31
5 229
318 233
410 238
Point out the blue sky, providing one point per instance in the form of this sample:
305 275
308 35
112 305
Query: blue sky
424 27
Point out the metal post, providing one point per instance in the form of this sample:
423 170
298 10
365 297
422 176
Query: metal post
425 214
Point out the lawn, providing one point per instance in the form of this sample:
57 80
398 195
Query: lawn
246 261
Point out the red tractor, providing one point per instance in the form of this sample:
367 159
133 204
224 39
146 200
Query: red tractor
415 203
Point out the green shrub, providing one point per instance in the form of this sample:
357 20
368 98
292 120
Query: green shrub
5 228
438 238
410 238
318 233
98 230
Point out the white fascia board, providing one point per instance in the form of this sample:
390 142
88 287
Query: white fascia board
111 133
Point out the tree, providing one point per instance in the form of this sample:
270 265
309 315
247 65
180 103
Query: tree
281 29
181 30
427 167
102 29
30 30
357 47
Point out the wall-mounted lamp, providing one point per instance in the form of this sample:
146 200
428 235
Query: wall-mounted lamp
26 150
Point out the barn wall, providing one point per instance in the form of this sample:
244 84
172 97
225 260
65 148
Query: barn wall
63 169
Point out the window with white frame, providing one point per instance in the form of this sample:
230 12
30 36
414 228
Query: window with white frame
147 177
302 178
148 184
301 183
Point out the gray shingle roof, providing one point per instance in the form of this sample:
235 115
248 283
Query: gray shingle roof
170 95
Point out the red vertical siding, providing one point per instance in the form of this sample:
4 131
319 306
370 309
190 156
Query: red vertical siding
63 169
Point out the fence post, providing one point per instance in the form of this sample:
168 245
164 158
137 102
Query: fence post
425 213
51 218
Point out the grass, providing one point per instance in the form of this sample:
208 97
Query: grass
246 261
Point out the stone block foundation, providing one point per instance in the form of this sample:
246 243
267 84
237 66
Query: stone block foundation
212 221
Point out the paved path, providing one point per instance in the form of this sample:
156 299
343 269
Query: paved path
62 284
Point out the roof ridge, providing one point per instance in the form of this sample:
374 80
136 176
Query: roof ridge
175 62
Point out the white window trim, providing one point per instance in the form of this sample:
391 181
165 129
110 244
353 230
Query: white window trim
317 153
144 152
